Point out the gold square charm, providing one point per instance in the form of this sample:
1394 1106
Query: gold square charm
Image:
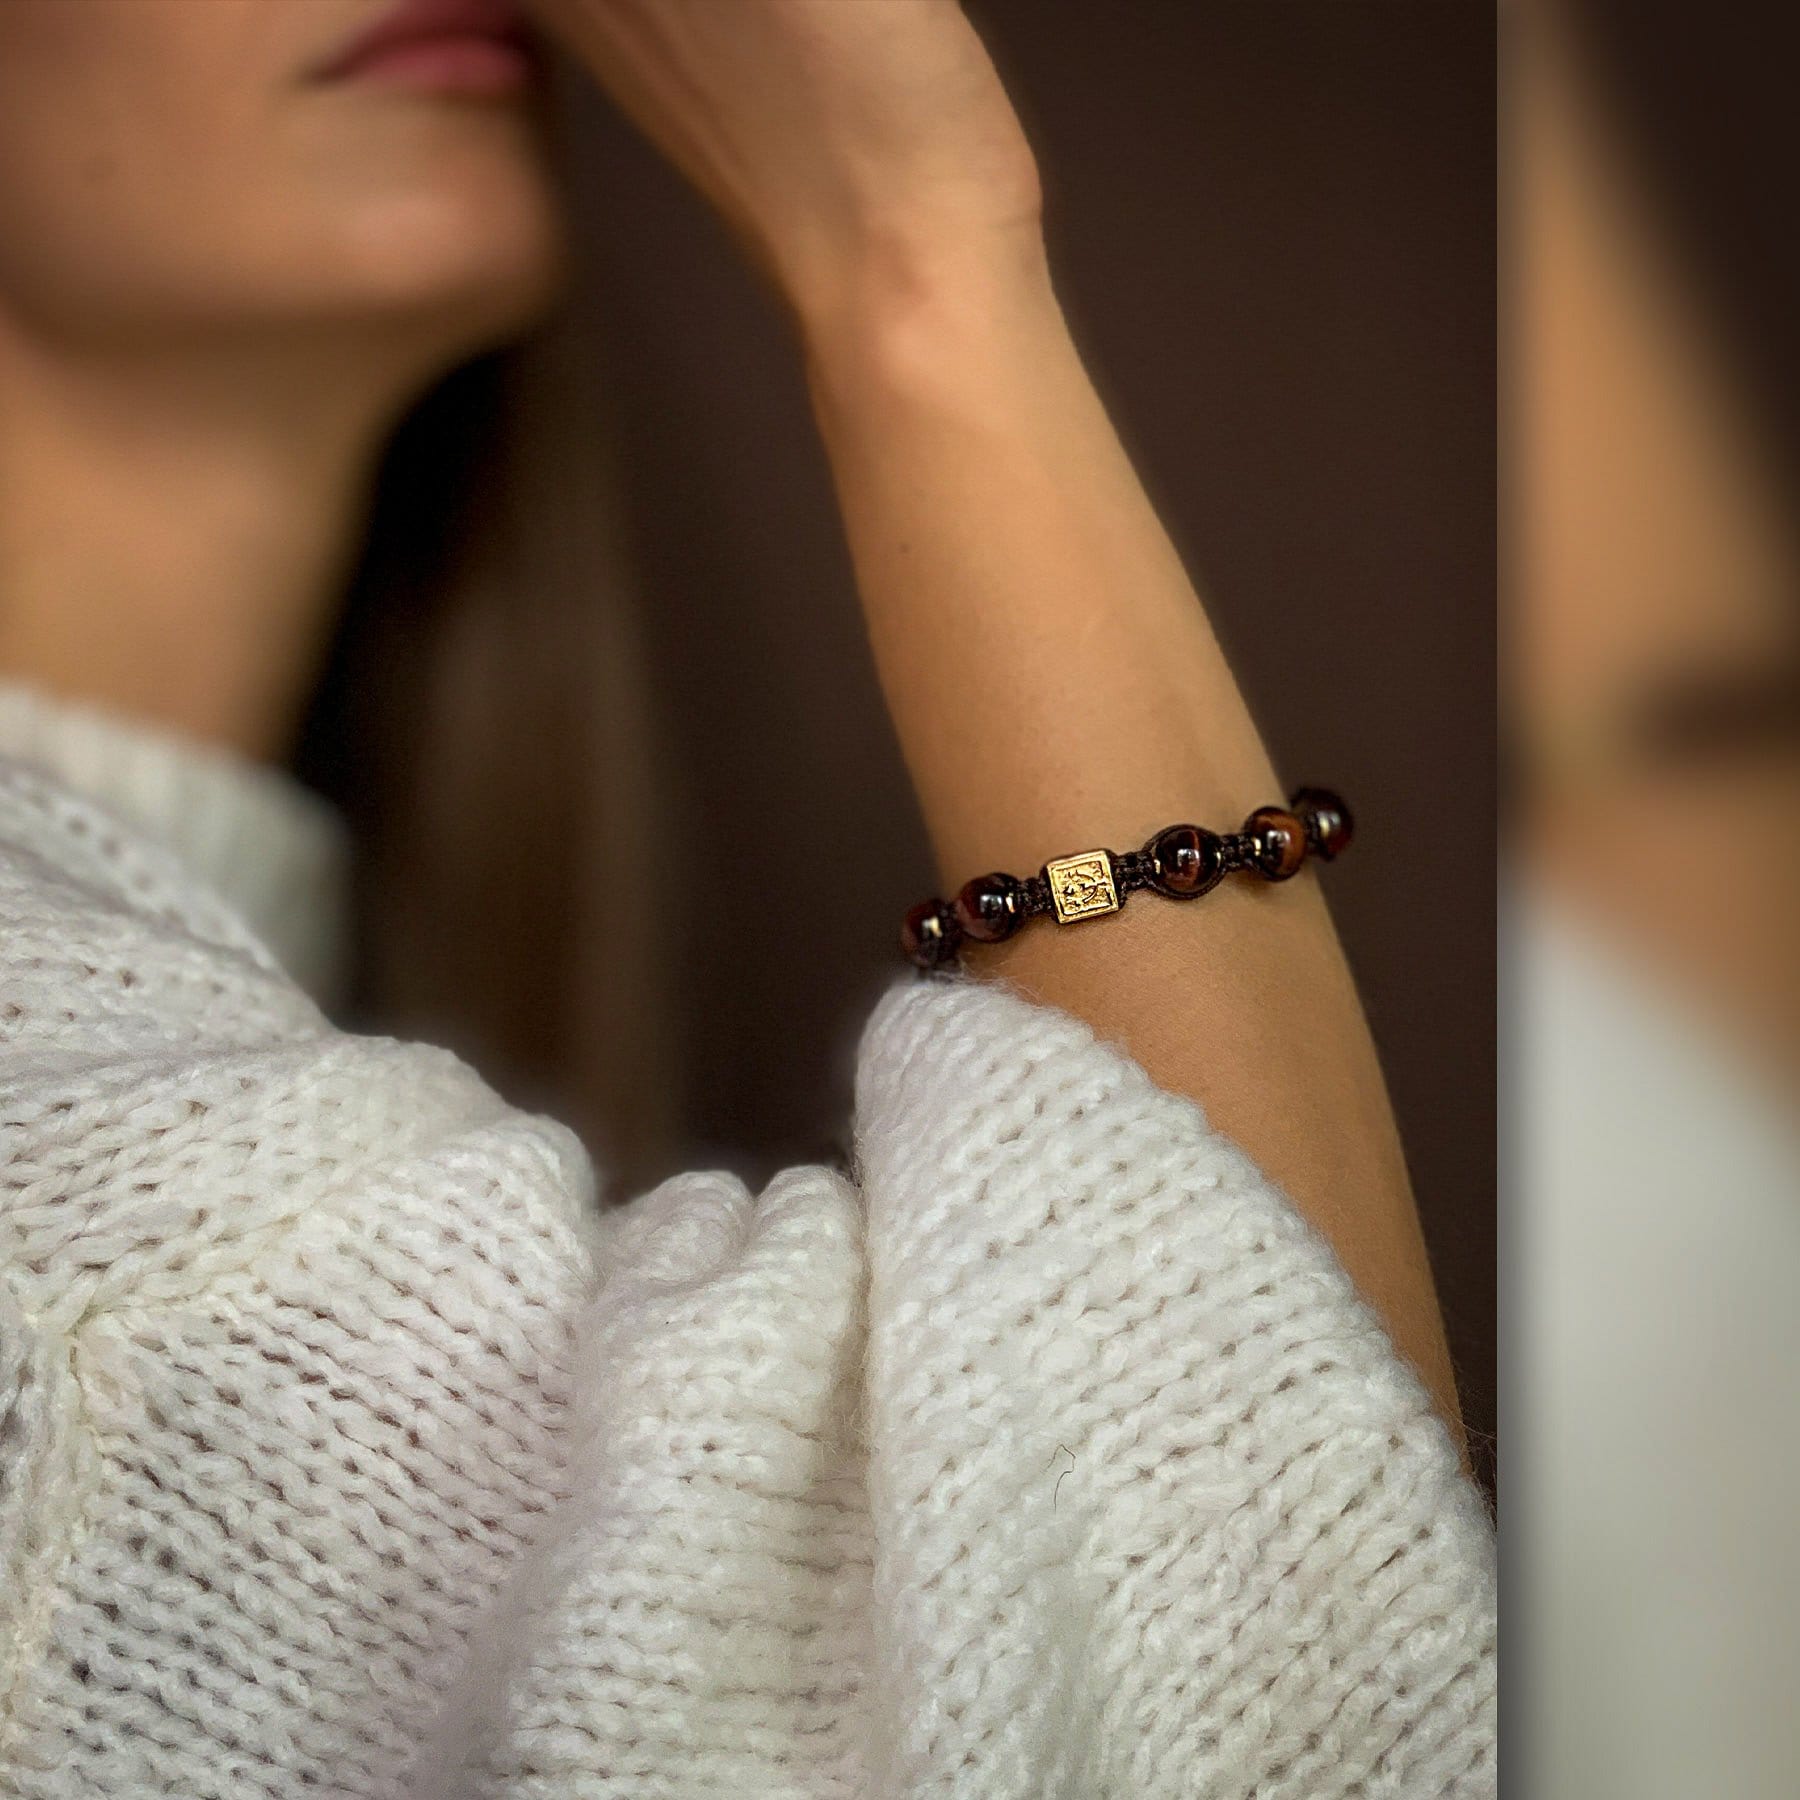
1082 887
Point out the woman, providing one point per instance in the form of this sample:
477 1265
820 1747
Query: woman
1657 1013
347 1450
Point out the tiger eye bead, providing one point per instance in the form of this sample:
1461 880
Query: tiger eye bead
1280 840
991 908
929 935
1184 862
1329 826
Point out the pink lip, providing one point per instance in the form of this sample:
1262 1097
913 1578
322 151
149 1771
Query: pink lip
475 49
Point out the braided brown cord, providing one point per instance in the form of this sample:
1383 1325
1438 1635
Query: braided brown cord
1181 862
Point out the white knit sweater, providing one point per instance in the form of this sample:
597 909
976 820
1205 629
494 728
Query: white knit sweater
345 1449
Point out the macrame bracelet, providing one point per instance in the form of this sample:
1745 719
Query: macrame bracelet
1181 861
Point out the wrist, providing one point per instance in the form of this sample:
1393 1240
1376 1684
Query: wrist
901 302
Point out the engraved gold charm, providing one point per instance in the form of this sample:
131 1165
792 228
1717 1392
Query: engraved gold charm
1082 886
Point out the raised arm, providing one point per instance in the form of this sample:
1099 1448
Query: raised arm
1050 670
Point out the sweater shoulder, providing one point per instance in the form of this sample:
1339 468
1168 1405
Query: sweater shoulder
173 1101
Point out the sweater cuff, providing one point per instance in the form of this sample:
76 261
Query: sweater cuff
276 854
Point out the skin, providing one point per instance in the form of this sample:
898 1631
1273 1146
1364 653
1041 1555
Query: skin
1015 578
220 285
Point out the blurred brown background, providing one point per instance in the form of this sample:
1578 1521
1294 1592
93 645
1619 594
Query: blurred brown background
1274 226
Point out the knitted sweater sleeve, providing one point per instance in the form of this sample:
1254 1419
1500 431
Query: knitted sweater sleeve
345 1449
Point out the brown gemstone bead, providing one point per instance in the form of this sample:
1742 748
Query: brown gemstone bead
991 908
1329 826
929 934
1184 862
1280 838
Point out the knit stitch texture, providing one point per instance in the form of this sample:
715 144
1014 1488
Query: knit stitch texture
347 1448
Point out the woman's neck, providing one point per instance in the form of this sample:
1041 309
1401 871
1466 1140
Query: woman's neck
175 530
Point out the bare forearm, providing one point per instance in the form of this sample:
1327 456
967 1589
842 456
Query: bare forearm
1055 684
1052 676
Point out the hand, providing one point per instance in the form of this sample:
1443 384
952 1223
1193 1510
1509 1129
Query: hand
840 139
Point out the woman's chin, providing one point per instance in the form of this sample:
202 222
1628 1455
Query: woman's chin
426 270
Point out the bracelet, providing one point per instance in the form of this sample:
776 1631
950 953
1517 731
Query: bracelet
1181 861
